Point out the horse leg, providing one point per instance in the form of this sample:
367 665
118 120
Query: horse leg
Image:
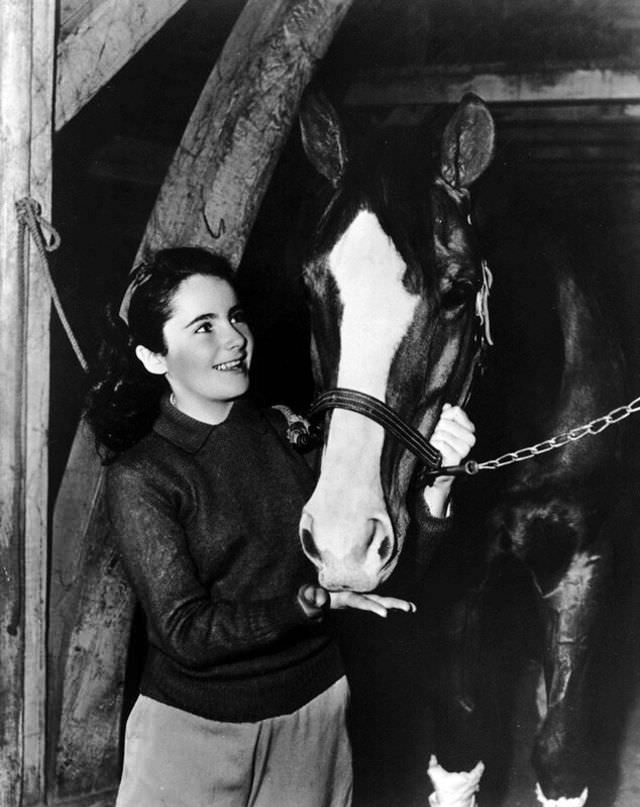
458 705
570 612
480 665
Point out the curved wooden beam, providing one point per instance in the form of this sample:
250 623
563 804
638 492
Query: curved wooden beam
233 140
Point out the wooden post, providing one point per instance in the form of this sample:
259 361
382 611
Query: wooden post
26 93
220 171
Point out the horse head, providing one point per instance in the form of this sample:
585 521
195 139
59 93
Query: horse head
396 289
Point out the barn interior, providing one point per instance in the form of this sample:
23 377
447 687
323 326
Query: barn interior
567 123
562 80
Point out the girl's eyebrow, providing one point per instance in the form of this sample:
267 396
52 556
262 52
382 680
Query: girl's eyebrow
213 315
199 318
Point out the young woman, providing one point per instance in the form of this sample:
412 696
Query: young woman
243 696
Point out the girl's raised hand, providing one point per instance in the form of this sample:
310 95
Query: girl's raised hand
454 437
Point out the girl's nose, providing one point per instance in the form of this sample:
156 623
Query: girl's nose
235 337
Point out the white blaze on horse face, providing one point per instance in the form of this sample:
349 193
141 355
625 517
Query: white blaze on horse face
346 517
377 309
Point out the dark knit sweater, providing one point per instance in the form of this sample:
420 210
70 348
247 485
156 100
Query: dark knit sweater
205 518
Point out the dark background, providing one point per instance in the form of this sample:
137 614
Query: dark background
578 163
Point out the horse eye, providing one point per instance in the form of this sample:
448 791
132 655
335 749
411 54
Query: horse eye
458 294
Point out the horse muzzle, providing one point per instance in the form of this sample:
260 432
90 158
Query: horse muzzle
357 555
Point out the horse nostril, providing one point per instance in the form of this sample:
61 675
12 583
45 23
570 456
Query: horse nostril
308 544
379 539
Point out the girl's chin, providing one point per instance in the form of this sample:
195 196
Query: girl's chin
235 387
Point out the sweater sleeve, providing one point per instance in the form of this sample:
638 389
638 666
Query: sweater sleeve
183 619
433 532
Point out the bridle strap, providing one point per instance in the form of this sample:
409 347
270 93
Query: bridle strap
376 410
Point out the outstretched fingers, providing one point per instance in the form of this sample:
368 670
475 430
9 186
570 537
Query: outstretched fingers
373 603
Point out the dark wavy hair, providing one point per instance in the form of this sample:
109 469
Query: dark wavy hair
124 399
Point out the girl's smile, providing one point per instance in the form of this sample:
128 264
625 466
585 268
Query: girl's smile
238 364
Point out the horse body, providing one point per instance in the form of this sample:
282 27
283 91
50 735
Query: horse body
555 367
397 289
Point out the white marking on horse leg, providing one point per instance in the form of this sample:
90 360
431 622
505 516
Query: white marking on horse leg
563 801
453 789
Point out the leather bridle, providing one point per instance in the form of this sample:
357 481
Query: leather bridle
378 411
374 409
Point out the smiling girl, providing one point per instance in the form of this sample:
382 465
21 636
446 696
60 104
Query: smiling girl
243 695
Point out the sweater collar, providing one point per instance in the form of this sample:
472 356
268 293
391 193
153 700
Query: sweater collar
191 434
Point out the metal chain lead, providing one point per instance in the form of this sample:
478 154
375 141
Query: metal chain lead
595 426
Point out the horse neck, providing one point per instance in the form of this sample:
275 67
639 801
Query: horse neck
591 368
554 364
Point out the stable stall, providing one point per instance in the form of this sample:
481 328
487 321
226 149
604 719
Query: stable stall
126 125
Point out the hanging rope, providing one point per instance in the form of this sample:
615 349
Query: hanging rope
29 214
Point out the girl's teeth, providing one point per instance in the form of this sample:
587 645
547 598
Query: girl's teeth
229 365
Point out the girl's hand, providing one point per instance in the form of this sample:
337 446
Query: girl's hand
314 600
454 437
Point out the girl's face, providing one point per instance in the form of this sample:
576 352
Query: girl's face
209 349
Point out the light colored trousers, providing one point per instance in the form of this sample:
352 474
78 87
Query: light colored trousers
176 759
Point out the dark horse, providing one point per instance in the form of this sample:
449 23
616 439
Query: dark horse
398 281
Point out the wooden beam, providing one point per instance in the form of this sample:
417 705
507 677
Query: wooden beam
91 609
14 106
495 84
105 36
610 118
222 168
26 104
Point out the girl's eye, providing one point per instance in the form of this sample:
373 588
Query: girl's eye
205 327
237 316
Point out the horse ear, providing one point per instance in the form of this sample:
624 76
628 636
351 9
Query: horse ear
468 143
323 139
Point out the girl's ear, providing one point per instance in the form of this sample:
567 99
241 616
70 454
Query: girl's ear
153 362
